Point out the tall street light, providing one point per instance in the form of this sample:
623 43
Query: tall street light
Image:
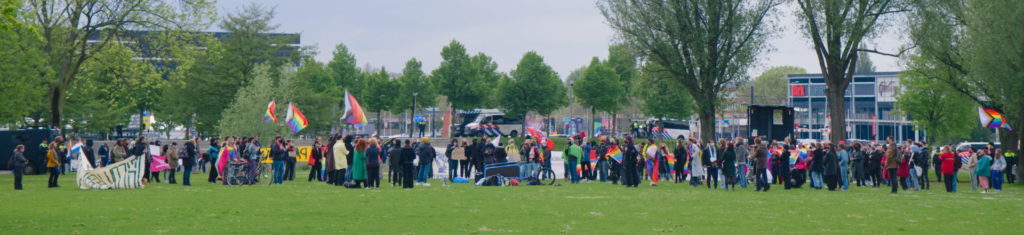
412 114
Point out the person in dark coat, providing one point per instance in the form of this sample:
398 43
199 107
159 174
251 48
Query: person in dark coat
317 157
760 166
139 149
874 166
817 167
831 168
90 154
408 155
18 163
395 163
783 166
729 166
630 176
189 161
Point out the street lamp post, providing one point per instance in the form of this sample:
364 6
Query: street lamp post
412 114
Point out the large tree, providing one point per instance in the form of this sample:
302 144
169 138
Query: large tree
24 92
112 86
662 97
413 80
836 29
599 88
974 48
72 32
704 45
458 79
345 74
946 114
244 116
379 96
532 87
319 105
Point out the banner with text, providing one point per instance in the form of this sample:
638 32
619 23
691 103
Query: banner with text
124 174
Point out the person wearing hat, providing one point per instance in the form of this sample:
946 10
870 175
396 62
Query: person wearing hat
426 155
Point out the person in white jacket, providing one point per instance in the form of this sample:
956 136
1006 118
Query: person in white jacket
998 167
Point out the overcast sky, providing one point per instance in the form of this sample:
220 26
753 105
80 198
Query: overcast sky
566 32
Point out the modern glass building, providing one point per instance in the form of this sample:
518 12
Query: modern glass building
870 108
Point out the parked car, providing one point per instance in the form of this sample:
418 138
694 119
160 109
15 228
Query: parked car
493 123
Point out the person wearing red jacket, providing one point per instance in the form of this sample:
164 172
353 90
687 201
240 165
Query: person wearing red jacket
948 166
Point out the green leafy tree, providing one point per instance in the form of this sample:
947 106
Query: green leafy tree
837 28
771 86
113 86
703 45
244 116
599 88
485 74
345 74
456 78
189 90
24 93
72 32
413 80
864 64
663 98
971 47
532 87
624 61
321 106
379 96
936 108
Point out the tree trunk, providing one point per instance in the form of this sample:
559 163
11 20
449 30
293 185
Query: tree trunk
837 109
706 113
1010 140
376 127
56 107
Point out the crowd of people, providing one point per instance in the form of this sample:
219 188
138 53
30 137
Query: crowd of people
356 162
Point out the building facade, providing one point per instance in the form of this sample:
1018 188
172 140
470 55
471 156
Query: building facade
870 108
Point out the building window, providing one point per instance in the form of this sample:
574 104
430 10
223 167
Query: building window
798 90
817 90
863 89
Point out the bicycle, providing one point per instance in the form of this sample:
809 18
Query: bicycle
544 174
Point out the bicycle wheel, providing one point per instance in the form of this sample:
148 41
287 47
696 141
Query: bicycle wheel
547 177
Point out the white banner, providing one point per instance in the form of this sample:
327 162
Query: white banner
124 174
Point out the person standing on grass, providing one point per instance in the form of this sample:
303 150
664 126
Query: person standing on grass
278 151
316 156
1011 161
17 164
892 164
455 152
924 181
983 170
971 166
359 163
761 166
212 154
680 154
52 164
831 171
408 156
858 159
339 152
171 154
189 161
573 153
252 155
374 154
631 178
729 166
426 154
695 160
395 163
603 164
844 166
947 161
998 165
289 161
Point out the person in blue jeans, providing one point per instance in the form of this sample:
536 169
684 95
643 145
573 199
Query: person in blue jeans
279 153
426 155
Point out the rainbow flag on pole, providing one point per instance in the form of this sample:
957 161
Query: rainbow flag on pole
353 112
615 153
270 115
992 119
295 119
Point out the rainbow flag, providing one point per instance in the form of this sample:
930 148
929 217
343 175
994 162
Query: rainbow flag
992 119
295 119
615 153
671 158
353 112
270 115
225 154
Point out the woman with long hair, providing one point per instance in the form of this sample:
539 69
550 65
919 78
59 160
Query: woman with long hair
729 165
359 163
373 159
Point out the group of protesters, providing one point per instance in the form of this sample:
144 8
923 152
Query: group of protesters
356 162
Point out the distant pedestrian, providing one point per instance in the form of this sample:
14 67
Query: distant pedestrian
18 163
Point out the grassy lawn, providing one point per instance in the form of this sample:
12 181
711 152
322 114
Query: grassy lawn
302 207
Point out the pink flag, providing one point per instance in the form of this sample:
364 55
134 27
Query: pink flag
158 164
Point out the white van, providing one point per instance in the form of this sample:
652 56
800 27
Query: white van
493 123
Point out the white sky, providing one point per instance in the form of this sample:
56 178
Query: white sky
566 32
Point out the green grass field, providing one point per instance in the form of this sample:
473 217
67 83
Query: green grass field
595 208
